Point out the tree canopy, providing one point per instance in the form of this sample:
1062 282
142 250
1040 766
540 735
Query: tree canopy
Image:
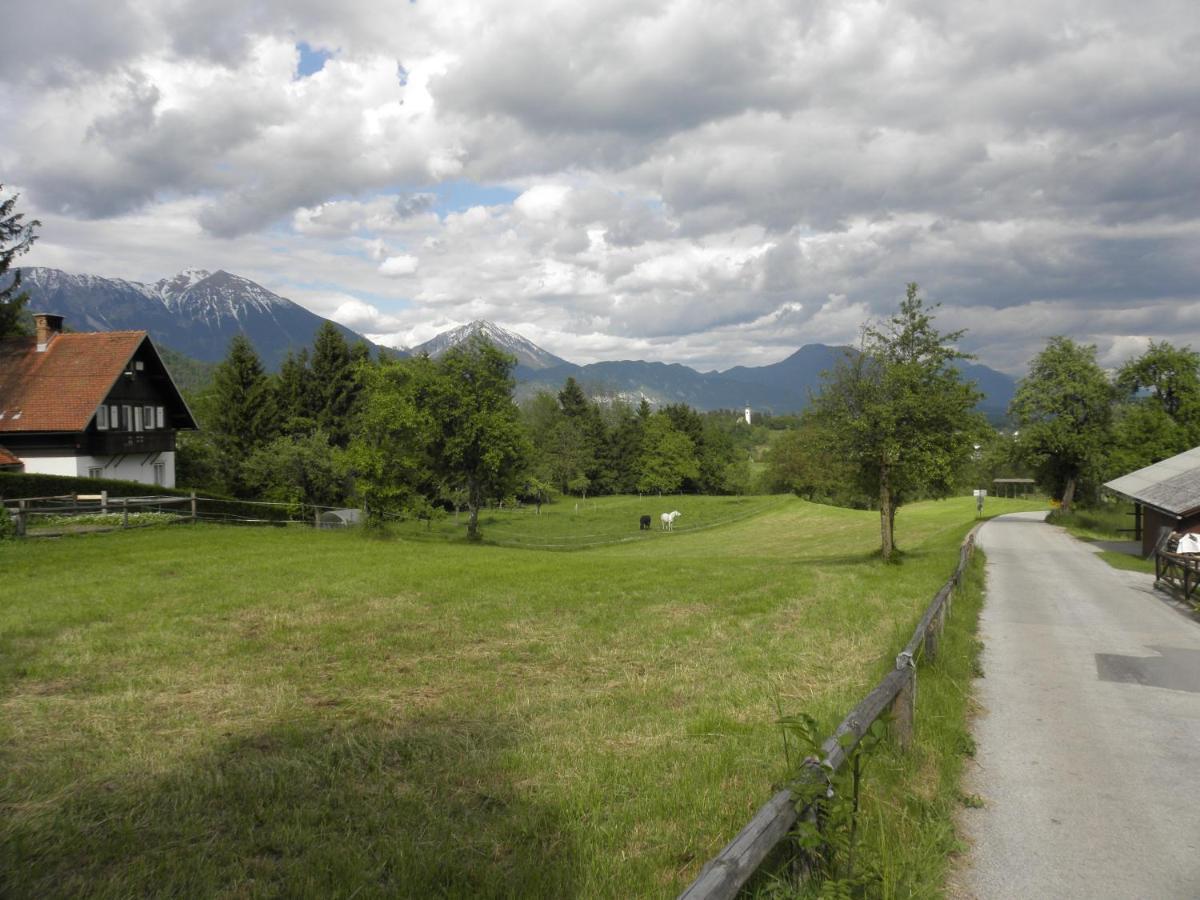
1064 411
899 413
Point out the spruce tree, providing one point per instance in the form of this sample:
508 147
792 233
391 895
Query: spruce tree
16 237
243 413
335 386
294 391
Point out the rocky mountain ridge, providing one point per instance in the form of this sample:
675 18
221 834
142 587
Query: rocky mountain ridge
197 312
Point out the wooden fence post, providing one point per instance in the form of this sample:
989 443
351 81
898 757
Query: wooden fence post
104 501
124 512
904 707
20 518
931 636
193 506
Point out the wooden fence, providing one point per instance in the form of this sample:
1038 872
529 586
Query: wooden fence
727 873
1182 570
25 508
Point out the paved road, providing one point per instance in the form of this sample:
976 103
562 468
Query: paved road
1089 740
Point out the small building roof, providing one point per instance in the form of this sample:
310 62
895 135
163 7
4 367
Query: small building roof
7 460
60 388
1171 486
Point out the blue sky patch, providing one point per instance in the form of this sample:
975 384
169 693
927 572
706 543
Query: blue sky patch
456 196
311 61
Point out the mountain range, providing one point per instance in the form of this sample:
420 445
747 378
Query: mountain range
196 312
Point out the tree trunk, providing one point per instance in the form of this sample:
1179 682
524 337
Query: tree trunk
475 500
1068 494
886 514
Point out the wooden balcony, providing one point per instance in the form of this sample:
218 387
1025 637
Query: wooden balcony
110 443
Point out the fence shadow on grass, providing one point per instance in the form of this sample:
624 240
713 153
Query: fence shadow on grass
329 808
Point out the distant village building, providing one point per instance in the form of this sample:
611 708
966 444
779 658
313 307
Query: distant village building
748 422
90 405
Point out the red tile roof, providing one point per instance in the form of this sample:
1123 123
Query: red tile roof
7 459
60 388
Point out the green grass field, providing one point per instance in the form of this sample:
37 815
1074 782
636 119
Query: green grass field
208 710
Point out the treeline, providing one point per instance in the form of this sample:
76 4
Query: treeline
1078 426
1072 426
418 436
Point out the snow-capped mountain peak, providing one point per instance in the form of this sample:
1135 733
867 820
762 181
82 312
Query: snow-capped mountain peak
528 354
196 312
172 288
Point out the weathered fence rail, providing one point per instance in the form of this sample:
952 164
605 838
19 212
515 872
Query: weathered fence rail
729 871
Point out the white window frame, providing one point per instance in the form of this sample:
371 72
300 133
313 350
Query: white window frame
160 418
148 417
160 474
114 418
95 472
137 418
102 418
127 417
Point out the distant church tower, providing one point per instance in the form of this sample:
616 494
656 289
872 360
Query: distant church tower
748 422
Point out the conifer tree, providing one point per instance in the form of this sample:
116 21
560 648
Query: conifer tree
243 414
16 237
294 394
335 386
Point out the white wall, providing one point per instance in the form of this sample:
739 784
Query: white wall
50 465
134 466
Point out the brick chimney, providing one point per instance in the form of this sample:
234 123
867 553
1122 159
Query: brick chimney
49 326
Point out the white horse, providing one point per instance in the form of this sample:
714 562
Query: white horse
668 520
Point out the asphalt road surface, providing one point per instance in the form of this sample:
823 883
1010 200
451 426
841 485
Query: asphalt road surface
1088 743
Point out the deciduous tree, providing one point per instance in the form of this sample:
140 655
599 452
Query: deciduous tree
477 443
899 413
1063 409
389 456
668 457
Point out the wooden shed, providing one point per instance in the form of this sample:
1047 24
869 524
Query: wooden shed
1166 496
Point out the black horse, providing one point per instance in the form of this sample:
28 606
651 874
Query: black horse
644 523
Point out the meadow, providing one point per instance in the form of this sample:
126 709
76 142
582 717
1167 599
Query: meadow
209 710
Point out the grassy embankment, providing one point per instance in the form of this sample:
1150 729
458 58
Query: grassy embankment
202 710
1110 522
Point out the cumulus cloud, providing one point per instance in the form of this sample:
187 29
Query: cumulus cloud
398 266
702 181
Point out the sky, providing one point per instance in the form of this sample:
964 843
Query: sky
698 181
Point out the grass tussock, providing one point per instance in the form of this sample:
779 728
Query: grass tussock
209 710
